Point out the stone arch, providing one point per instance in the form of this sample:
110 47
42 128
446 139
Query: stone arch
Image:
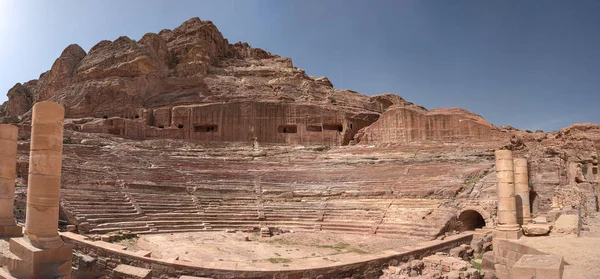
473 217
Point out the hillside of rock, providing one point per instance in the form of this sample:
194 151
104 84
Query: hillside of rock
230 127
191 83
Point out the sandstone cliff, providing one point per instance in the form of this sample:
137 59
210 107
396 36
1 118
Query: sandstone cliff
191 83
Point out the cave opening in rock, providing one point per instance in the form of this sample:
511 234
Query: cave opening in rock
471 220
137 116
333 127
314 128
180 126
287 129
205 128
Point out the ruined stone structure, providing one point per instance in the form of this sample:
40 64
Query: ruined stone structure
182 131
8 166
522 191
507 206
410 124
266 122
41 253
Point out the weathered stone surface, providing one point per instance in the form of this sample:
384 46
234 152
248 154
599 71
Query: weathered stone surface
540 220
536 229
230 125
538 267
567 224
408 123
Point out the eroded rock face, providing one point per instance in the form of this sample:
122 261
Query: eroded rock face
409 124
536 229
190 83
152 87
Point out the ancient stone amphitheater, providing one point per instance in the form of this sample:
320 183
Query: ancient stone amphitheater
183 132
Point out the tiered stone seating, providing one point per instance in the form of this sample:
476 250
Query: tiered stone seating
231 213
413 217
163 213
293 215
358 216
110 210
169 213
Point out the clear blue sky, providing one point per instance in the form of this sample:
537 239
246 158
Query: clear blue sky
528 64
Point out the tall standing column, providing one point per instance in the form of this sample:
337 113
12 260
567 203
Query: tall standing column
8 165
45 163
522 191
507 207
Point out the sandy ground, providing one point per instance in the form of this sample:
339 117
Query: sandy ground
581 254
281 249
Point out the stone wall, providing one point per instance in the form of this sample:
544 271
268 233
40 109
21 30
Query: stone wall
109 256
507 253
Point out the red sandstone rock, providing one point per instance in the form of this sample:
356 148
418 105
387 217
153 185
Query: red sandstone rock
188 88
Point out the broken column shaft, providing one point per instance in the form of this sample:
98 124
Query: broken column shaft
522 191
507 207
45 161
8 165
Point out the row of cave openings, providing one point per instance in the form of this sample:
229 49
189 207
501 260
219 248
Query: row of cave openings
282 129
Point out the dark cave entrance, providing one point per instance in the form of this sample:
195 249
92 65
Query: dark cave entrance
471 220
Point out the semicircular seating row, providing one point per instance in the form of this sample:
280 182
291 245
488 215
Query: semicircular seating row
143 213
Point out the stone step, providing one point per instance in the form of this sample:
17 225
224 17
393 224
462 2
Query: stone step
112 229
107 215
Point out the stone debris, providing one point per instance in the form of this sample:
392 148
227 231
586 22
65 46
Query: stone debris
131 272
567 224
439 266
536 229
539 267
540 220
265 232
148 90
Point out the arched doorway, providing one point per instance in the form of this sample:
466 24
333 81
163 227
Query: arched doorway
471 220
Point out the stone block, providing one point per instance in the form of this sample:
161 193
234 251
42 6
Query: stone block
34 262
502 272
488 260
536 229
567 224
523 272
539 266
508 234
514 256
458 252
124 271
11 231
71 228
477 244
540 220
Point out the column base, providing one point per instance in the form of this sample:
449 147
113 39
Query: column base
28 261
46 242
11 231
508 234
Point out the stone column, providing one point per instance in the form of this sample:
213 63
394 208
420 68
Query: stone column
507 206
45 162
8 166
522 191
